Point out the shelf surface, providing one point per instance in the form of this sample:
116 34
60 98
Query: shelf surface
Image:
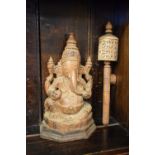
105 140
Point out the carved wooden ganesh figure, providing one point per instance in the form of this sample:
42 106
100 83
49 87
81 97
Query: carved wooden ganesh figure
67 116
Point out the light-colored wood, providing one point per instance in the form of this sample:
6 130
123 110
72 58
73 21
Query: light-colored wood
65 109
113 79
106 93
108 45
107 52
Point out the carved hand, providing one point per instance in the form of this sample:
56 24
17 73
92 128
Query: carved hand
55 94
88 77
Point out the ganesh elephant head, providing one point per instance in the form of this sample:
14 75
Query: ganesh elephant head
70 62
69 65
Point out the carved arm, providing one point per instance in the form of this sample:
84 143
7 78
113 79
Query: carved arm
53 91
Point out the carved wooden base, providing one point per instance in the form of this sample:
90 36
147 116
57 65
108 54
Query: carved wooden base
63 127
58 136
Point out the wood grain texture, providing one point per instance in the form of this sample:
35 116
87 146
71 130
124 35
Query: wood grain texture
106 141
121 90
32 68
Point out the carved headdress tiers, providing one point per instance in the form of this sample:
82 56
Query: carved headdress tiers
71 52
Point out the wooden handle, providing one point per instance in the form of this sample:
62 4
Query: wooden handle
106 93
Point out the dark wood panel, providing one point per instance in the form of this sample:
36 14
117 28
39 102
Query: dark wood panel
104 141
121 90
122 151
32 68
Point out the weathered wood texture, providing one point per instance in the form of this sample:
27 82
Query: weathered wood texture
120 92
32 68
106 141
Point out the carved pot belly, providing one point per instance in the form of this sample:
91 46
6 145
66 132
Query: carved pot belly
70 103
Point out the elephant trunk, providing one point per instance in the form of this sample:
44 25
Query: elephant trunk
73 77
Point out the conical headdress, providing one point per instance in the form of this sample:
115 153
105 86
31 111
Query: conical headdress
71 51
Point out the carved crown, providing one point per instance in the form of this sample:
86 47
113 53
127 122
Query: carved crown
71 51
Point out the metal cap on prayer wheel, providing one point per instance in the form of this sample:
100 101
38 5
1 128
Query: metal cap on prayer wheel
108 45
